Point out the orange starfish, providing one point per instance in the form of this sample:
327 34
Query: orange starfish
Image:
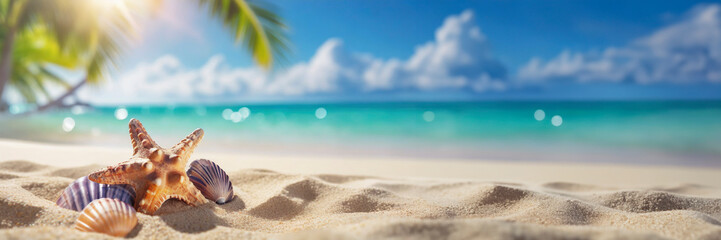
155 173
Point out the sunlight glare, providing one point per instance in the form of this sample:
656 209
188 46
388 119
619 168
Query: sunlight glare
105 5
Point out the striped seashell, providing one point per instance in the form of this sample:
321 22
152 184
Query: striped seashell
108 216
211 180
83 191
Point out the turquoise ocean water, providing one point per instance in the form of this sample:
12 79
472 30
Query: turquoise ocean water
643 132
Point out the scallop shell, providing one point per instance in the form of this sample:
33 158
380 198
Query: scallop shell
108 216
83 191
211 180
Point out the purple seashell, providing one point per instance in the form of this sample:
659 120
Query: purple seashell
211 180
83 191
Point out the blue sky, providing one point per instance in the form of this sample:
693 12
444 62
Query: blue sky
433 50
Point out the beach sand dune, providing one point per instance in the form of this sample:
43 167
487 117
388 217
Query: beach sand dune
271 204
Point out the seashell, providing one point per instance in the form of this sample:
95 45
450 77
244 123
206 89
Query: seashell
83 191
211 180
108 216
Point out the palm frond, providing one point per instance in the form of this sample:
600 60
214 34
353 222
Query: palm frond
97 36
71 34
50 76
22 85
37 83
261 31
34 51
65 33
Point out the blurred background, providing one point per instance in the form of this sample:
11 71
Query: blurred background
560 81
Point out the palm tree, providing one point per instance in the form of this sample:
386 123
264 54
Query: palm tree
91 38
34 55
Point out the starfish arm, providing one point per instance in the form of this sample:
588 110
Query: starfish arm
123 173
185 147
189 194
156 195
153 198
139 138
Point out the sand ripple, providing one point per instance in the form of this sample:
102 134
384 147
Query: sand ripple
276 205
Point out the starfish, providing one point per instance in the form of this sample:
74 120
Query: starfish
157 174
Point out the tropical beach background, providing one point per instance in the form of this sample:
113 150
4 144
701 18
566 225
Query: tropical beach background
640 132
608 86
554 118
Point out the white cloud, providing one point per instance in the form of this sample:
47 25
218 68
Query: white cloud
331 69
458 58
166 79
684 52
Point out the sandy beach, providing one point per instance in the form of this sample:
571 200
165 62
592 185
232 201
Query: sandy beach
265 119
315 197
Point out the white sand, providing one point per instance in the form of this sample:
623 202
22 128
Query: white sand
332 198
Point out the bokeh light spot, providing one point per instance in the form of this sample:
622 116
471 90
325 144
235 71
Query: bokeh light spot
539 115
68 124
236 117
556 121
429 116
226 113
321 113
244 112
121 113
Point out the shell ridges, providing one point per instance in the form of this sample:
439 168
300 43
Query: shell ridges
211 180
108 216
83 191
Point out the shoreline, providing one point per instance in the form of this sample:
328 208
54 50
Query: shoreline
423 151
631 175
